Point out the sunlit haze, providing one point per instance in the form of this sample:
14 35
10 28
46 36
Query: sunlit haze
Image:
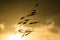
43 25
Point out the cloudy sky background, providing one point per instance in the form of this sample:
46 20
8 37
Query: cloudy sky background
48 15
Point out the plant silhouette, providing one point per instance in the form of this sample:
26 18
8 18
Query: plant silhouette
24 20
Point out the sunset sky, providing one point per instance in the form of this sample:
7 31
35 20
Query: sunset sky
48 16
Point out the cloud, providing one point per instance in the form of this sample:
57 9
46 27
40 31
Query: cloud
44 32
2 26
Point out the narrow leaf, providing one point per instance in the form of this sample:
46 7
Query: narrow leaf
24 22
33 22
27 20
21 18
19 22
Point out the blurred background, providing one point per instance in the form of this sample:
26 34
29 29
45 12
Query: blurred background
48 16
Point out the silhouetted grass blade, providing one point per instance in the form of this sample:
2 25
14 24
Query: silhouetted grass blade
22 35
33 22
27 20
20 30
31 14
24 22
19 22
22 18
28 32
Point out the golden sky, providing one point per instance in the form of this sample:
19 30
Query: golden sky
48 16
